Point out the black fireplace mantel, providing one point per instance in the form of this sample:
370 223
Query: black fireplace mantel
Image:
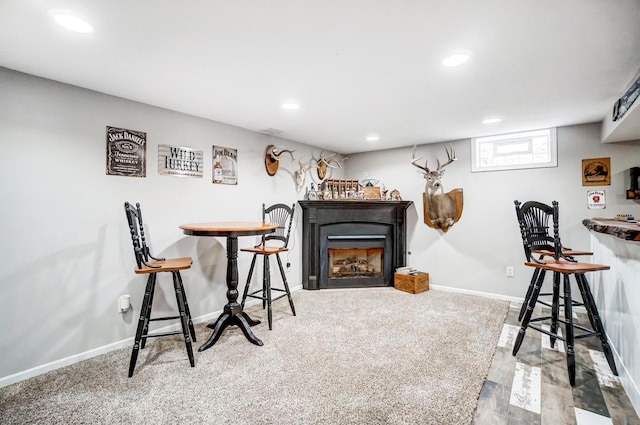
350 215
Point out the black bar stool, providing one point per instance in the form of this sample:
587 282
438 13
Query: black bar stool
565 266
148 264
283 215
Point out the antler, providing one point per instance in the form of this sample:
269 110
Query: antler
306 167
451 156
272 158
414 160
275 152
331 162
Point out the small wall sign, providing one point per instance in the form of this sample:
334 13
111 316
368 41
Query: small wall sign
596 172
596 200
126 152
178 161
225 165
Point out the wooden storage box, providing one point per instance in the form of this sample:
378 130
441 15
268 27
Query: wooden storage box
412 283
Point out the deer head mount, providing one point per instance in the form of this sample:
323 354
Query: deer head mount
326 162
441 210
272 158
301 173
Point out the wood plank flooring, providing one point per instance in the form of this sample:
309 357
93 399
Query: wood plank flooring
533 387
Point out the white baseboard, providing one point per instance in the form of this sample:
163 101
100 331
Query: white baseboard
477 293
85 355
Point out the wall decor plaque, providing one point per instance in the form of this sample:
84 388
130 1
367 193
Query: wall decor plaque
225 165
596 172
126 152
596 199
179 161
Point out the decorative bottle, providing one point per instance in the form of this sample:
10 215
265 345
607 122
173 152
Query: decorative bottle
217 170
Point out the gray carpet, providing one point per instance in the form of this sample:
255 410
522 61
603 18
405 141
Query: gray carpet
359 356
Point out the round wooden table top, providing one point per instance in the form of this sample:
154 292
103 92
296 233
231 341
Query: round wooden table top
229 228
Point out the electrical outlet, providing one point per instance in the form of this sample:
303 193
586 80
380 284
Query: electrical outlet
124 303
510 272
287 268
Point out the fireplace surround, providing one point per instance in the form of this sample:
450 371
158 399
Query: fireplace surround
352 243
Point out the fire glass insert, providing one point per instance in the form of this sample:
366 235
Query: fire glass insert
355 262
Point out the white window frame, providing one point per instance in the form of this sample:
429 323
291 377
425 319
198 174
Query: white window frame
514 151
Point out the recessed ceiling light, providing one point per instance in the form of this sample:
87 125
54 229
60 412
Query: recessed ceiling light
372 138
491 120
455 60
290 105
73 23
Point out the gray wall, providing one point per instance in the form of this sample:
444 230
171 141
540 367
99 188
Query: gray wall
473 254
66 249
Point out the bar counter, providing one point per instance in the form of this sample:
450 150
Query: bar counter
619 229
617 293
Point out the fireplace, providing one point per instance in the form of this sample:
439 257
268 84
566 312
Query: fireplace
352 244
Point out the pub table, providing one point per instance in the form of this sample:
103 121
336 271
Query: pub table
232 313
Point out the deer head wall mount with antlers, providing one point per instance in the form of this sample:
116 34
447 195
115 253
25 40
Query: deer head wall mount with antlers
441 210
272 158
326 162
301 173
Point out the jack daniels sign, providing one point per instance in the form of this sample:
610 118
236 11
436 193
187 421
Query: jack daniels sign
126 152
178 161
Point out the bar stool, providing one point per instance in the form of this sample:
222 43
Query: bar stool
148 264
536 215
565 266
283 215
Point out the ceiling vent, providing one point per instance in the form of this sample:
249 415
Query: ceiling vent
271 131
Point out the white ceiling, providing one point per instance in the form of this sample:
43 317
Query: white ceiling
357 67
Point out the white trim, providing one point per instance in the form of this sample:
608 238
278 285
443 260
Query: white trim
127 342
477 293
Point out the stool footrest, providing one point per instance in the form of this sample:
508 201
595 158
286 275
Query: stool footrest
155 319
158 334
260 297
556 336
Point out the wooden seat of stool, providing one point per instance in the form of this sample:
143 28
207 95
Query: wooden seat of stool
265 250
169 265
565 266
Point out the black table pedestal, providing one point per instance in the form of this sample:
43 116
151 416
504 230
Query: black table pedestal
232 313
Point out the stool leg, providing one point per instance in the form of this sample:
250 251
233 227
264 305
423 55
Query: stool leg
183 315
267 287
145 330
527 316
246 287
569 337
523 309
555 308
186 307
594 318
286 285
265 276
142 323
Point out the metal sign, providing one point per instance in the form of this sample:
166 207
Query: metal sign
126 152
596 199
179 161
225 165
